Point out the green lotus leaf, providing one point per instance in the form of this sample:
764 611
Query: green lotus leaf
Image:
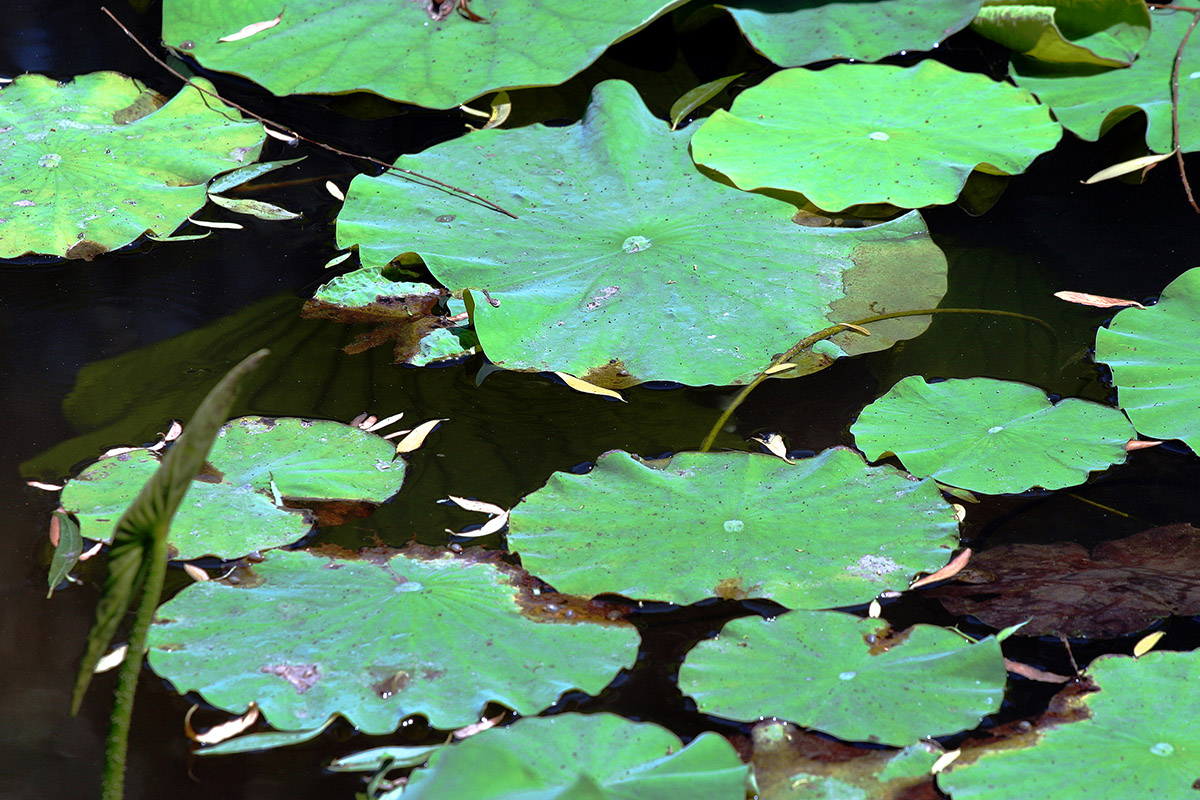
991 436
398 50
734 525
92 164
254 457
1154 355
883 134
846 676
543 756
1101 32
625 261
376 641
1138 739
793 33
1089 103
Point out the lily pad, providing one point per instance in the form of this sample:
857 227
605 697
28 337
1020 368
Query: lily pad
734 525
991 436
1103 32
1088 103
846 676
1154 355
625 262
551 757
234 511
377 640
326 46
1123 586
883 135
1139 740
92 164
793 33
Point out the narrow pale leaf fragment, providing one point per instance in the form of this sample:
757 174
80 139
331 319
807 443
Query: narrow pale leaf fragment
1126 167
91 551
185 237
241 175
1033 673
1147 643
254 208
1140 444
226 730
477 505
1099 301
949 571
333 262
118 451
333 189
774 444
477 727
111 660
875 610
778 368
416 437
383 423
580 385
264 741
195 573
49 487
253 28
203 223
283 137
945 760
374 759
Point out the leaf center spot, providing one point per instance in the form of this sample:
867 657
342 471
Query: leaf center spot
1162 749
878 136
635 244
50 160
410 586
734 525
996 429
847 675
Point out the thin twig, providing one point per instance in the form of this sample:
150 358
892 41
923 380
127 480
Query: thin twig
1187 187
293 134
831 331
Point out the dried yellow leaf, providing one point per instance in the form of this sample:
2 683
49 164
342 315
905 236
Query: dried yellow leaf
1147 643
333 189
195 572
944 760
580 385
1126 167
203 223
219 733
416 437
1096 300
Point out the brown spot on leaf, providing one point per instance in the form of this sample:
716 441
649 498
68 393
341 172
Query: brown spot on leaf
86 250
730 589
302 677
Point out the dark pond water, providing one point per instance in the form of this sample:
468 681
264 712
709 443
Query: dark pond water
105 353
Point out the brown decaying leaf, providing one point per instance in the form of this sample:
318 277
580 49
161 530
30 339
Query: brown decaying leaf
1121 587
402 319
219 733
949 571
1096 300
1033 673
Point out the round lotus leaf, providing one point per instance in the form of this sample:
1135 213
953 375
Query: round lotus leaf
793 33
1138 739
734 525
625 261
846 676
613 757
376 640
1154 354
234 512
402 50
868 133
92 164
1089 103
991 436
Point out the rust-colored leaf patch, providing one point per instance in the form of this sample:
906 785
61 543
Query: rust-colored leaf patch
1121 587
